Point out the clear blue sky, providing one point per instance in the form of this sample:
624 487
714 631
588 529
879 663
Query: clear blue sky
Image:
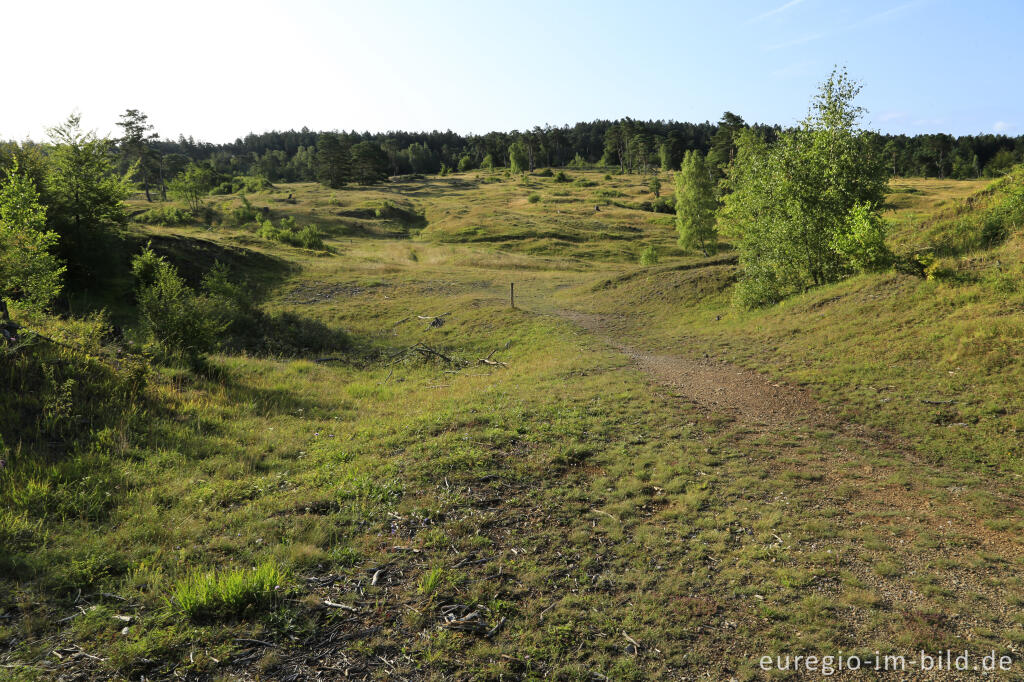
217 70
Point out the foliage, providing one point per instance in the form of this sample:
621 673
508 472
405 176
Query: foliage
649 256
191 185
533 198
369 163
166 216
792 202
488 162
87 199
695 204
655 186
308 237
136 147
518 158
29 271
244 214
333 161
466 163
562 176
175 321
862 243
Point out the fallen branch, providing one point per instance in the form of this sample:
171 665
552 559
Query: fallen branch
492 363
435 320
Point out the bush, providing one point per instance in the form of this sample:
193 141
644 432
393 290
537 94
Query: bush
533 198
544 173
165 216
585 183
176 321
561 176
223 188
649 256
863 243
244 214
308 237
664 205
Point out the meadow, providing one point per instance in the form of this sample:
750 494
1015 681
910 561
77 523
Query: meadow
621 477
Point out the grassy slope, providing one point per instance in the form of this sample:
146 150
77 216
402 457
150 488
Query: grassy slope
565 497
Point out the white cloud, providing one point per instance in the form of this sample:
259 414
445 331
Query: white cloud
781 8
796 41
1001 126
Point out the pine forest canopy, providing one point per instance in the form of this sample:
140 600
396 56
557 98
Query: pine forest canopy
630 145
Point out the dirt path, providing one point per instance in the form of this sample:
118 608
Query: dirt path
712 383
765 404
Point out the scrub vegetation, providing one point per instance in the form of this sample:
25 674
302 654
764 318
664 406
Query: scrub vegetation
282 430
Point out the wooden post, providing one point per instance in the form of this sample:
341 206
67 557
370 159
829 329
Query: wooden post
512 294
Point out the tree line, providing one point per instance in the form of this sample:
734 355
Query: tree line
632 146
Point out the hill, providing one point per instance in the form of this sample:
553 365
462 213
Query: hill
623 476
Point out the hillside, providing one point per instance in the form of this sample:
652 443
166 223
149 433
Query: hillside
622 477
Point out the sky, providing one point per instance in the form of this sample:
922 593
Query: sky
217 70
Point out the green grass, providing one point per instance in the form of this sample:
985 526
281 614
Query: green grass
211 595
560 499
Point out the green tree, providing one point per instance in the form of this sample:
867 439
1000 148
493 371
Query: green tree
191 185
800 206
135 147
369 163
465 163
696 204
28 270
488 162
723 144
655 186
518 158
333 160
87 199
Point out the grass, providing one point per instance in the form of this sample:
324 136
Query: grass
211 596
560 499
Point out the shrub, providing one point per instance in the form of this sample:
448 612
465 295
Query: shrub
664 205
28 269
308 237
577 162
649 256
244 214
533 198
165 216
863 243
233 594
175 320
544 173
561 176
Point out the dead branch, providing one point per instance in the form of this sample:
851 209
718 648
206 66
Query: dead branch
435 320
